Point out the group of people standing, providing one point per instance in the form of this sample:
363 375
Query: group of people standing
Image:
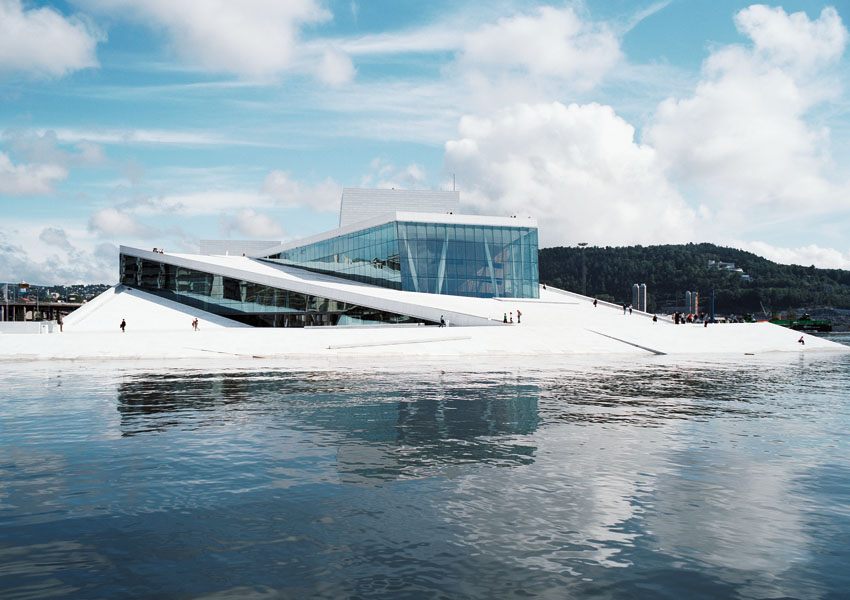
680 317
510 319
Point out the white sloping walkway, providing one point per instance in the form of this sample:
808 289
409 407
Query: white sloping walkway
142 312
457 309
555 325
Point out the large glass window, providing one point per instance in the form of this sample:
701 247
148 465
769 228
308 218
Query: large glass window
464 260
251 303
469 260
370 256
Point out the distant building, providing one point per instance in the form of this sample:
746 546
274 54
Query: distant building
716 264
728 266
639 296
692 303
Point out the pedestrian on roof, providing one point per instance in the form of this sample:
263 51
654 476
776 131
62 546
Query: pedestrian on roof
123 325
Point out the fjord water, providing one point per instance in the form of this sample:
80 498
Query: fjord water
582 478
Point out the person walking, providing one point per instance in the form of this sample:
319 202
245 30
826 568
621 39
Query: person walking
123 325
518 316
505 318
512 317
594 303
442 321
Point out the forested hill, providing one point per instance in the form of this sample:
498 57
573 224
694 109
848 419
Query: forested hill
669 271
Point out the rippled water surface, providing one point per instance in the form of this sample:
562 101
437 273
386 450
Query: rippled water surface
501 478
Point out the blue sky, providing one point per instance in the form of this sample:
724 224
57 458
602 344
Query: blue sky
160 123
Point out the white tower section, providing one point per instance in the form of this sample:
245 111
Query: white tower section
361 204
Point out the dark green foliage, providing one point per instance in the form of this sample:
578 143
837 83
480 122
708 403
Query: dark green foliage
669 271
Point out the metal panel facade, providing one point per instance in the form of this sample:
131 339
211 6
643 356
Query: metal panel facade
361 204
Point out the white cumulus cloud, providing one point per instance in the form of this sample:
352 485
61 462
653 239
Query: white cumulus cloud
335 67
255 38
55 254
552 42
56 236
45 148
386 175
28 179
792 40
252 224
112 222
43 42
288 192
811 254
578 168
742 141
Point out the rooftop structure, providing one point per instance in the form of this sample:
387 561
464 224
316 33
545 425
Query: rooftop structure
362 204
235 247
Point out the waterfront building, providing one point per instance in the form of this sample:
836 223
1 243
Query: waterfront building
304 282
382 284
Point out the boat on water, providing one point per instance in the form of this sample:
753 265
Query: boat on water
804 323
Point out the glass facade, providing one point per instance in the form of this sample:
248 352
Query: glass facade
437 258
370 256
247 302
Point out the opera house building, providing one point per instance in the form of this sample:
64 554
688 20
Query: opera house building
404 275
408 241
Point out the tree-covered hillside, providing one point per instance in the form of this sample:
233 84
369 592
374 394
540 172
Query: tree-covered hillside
669 271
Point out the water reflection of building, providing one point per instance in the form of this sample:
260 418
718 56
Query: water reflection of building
383 430
156 401
423 434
